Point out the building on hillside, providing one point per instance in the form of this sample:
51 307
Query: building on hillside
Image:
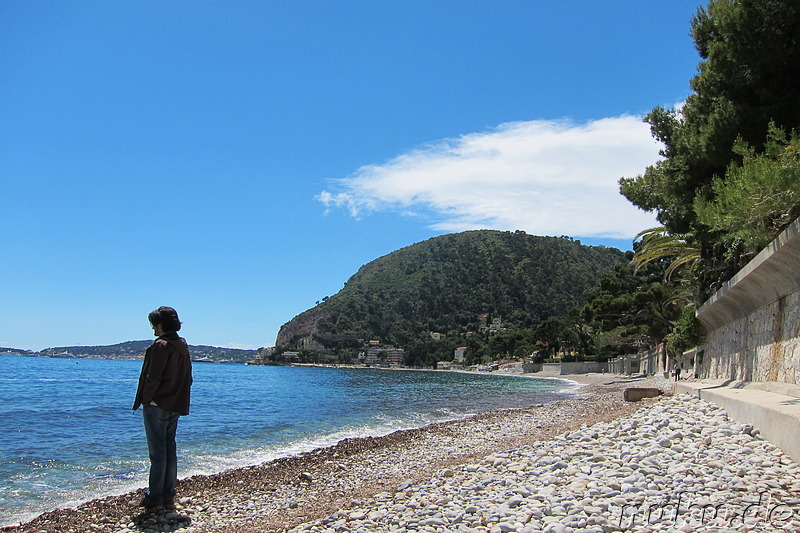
395 356
291 357
449 365
261 357
459 354
482 323
384 356
372 355
436 336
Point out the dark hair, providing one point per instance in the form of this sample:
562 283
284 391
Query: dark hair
167 317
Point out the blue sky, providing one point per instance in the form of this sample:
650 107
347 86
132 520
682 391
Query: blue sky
240 160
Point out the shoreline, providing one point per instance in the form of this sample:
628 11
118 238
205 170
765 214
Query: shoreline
286 492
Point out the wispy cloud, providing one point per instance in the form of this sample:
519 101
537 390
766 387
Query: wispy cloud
543 177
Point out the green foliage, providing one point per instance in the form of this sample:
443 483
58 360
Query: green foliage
686 334
746 81
444 284
633 309
427 352
758 197
658 244
558 333
729 179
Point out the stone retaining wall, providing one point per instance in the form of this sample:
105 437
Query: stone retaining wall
752 324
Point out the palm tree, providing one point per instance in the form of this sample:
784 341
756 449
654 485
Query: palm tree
657 244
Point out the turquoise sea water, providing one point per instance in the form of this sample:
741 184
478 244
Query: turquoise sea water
67 433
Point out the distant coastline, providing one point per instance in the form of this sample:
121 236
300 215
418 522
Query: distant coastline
134 350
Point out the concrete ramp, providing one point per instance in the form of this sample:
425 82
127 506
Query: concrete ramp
771 407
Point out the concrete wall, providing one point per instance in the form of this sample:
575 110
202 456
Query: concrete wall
565 368
752 324
544 368
583 367
530 368
551 368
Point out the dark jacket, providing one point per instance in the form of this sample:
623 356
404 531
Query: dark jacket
166 376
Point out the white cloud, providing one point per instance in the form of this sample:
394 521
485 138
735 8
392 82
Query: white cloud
543 177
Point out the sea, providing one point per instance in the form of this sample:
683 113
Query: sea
68 435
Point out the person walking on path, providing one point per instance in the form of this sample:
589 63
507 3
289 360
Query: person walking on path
163 393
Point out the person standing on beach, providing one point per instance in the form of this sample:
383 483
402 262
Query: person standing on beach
163 393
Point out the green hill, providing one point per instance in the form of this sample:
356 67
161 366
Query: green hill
136 349
445 284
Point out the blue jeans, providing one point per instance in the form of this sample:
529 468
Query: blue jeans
160 427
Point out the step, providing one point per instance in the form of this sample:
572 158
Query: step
772 408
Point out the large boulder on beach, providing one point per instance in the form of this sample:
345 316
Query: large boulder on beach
634 394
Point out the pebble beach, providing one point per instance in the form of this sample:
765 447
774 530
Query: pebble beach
591 463
680 465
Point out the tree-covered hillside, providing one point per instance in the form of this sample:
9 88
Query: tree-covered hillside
133 349
446 283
